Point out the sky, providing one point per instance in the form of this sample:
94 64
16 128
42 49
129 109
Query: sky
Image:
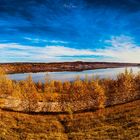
69 30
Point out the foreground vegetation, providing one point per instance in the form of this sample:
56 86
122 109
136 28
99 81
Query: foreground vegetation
103 92
101 121
120 122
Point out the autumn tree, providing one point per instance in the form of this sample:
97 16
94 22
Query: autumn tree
66 87
99 93
17 90
77 87
6 85
52 87
58 86
39 86
2 72
137 85
29 95
125 87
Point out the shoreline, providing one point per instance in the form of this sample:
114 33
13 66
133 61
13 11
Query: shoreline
15 68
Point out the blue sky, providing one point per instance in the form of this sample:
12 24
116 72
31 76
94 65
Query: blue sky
69 30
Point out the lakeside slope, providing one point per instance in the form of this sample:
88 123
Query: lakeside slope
119 122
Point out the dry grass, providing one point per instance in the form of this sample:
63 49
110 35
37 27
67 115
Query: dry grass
120 122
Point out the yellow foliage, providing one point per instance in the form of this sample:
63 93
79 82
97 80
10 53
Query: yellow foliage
2 72
100 93
126 87
66 87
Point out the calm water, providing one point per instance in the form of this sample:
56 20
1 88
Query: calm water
70 76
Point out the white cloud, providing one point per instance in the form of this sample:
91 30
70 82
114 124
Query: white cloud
37 40
119 49
123 49
58 41
66 51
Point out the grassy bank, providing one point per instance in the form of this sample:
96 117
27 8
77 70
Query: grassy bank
120 122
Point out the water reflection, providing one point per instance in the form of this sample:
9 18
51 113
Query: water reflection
70 76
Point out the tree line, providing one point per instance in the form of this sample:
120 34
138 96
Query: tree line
124 88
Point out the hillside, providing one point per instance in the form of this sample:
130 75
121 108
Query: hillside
120 122
100 109
63 66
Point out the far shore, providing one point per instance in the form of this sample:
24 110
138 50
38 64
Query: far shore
26 67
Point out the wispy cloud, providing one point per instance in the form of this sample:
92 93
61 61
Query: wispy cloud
38 40
58 41
117 49
122 48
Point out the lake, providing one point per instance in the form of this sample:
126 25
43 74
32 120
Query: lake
70 76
